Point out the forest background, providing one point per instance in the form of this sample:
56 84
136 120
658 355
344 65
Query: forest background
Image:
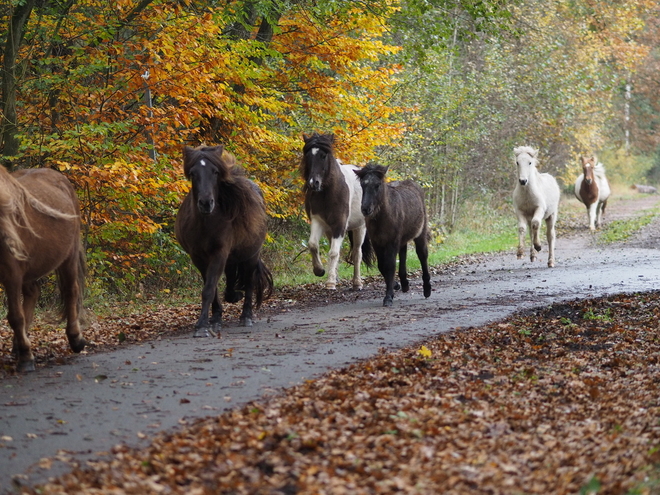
108 93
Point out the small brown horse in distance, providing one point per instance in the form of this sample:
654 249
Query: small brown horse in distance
593 189
222 226
395 214
39 234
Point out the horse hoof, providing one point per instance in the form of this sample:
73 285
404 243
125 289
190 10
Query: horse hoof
397 286
201 332
78 344
551 264
331 286
246 322
25 366
427 291
405 286
319 272
387 302
537 247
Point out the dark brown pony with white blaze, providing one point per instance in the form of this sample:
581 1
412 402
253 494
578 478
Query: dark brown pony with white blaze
395 214
39 234
332 202
222 226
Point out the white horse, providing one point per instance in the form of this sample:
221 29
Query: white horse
535 198
593 189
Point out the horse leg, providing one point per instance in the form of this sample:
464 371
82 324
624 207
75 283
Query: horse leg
211 274
534 232
522 230
403 272
315 234
246 314
593 213
71 293
387 267
422 249
31 293
21 342
356 255
232 276
599 213
551 236
333 261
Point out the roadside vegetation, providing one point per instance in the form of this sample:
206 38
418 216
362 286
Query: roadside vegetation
108 94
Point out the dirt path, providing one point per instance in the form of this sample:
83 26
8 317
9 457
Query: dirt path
83 409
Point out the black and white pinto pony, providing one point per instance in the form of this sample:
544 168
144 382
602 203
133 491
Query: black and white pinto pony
593 189
332 202
535 198
395 214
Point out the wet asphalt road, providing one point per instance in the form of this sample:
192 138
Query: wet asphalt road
81 410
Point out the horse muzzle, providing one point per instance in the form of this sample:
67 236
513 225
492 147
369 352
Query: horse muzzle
205 206
522 182
315 185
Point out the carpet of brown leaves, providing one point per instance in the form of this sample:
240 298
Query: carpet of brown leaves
555 401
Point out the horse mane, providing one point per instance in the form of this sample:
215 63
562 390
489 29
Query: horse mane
235 191
217 156
324 142
14 198
371 167
599 170
528 150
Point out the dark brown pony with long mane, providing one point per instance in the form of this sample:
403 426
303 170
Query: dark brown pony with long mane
222 226
39 234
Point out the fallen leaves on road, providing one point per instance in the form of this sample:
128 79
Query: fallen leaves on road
559 400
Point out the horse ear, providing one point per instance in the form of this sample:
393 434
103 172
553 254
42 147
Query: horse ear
535 153
187 159
306 137
216 150
517 150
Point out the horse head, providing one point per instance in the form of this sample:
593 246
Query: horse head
206 167
372 181
317 160
526 158
588 167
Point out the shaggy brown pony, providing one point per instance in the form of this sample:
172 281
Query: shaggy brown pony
39 234
222 226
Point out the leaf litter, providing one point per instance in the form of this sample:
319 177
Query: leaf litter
559 400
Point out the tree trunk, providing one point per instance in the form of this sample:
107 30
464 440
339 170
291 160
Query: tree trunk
9 129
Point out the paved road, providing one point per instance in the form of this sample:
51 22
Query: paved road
79 410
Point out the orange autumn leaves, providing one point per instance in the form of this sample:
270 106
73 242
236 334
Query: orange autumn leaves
87 112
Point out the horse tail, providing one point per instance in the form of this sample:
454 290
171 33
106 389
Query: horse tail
263 283
81 278
367 251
